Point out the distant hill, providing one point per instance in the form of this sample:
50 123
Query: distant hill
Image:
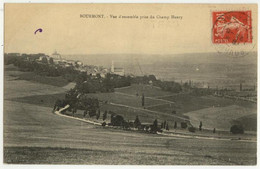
106 59
209 68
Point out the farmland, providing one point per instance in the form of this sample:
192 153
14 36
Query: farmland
34 135
214 112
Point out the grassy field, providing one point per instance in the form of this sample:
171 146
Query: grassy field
149 91
34 135
185 103
130 100
41 100
214 112
220 117
249 121
165 152
223 112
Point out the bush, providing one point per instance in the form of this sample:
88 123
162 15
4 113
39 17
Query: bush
184 125
192 129
104 124
237 129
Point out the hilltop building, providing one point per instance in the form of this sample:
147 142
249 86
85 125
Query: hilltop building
56 57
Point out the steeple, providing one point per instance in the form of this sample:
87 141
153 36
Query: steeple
112 67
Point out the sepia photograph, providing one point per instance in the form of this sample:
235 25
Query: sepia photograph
130 84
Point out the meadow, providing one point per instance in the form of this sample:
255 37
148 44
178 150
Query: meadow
214 112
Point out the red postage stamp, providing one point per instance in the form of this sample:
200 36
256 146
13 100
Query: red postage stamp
232 27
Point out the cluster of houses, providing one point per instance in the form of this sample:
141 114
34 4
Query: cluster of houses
57 59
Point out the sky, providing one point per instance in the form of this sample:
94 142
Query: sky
66 32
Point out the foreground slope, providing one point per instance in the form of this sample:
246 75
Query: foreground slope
33 134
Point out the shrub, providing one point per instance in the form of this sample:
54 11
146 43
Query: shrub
237 129
184 125
104 124
192 129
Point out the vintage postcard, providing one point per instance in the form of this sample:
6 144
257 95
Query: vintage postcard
130 84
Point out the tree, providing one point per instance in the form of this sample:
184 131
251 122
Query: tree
200 126
108 83
184 125
98 114
161 125
105 115
89 104
175 125
44 60
57 105
82 77
167 127
152 77
154 127
214 130
51 61
142 99
84 113
137 122
117 120
71 97
164 124
155 123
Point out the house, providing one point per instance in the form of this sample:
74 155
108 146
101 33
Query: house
79 63
42 58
